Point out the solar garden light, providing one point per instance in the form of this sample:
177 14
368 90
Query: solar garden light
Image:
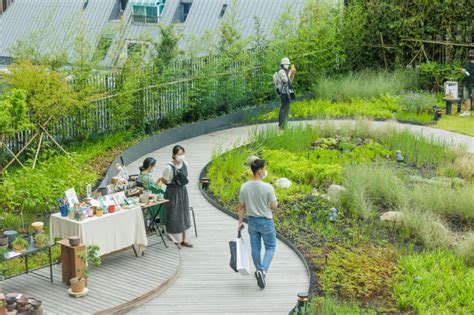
399 156
302 306
205 182
437 113
332 214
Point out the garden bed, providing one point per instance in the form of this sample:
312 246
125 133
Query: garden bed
361 261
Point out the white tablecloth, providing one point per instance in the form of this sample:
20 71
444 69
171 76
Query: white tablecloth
112 231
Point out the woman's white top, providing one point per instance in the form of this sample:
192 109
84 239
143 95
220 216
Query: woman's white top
168 172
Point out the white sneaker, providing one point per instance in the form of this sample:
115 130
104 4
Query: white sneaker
466 113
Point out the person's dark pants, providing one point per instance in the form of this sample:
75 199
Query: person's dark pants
284 110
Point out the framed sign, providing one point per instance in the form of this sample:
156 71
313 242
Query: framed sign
71 197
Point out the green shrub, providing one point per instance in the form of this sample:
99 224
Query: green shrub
418 103
294 139
34 192
435 283
372 189
408 117
454 204
427 228
363 273
326 305
433 74
466 249
416 149
366 84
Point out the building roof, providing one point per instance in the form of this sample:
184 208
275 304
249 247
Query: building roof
53 24
56 23
204 17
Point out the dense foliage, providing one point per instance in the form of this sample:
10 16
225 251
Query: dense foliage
27 194
374 23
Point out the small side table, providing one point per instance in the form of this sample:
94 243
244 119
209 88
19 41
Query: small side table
70 260
449 104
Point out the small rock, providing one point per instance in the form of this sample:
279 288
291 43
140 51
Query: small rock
417 279
250 159
283 182
334 191
392 216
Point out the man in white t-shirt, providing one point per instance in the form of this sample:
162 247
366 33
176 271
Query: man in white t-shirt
258 199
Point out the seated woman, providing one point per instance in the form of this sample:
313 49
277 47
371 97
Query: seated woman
145 176
153 186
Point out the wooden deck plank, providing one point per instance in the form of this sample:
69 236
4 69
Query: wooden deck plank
122 278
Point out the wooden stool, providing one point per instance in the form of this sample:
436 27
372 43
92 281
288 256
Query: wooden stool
70 260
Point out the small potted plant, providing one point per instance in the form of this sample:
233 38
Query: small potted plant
89 256
19 244
41 240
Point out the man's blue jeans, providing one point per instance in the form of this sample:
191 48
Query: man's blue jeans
261 228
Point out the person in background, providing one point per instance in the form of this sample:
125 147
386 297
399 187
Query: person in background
175 176
286 75
258 199
468 83
145 176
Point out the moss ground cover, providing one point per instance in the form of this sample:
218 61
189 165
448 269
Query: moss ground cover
464 125
361 261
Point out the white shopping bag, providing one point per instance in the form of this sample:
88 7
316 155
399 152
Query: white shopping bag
243 261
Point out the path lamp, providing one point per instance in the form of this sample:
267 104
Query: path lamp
399 156
302 306
332 214
205 182
437 113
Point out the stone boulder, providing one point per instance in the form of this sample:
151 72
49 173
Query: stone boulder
394 216
335 191
283 182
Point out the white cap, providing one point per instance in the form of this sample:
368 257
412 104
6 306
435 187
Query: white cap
285 61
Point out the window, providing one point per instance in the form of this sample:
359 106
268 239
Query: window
224 7
186 7
182 11
147 11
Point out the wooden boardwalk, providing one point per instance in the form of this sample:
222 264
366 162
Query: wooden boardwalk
207 284
122 280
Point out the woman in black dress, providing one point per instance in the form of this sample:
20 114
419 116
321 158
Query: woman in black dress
175 176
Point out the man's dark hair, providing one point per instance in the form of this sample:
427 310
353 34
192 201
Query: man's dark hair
257 165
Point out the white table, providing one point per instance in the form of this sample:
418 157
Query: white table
112 231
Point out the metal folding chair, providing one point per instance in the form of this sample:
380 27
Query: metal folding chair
156 214
194 221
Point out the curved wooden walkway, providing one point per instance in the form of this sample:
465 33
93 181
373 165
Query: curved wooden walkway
206 284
